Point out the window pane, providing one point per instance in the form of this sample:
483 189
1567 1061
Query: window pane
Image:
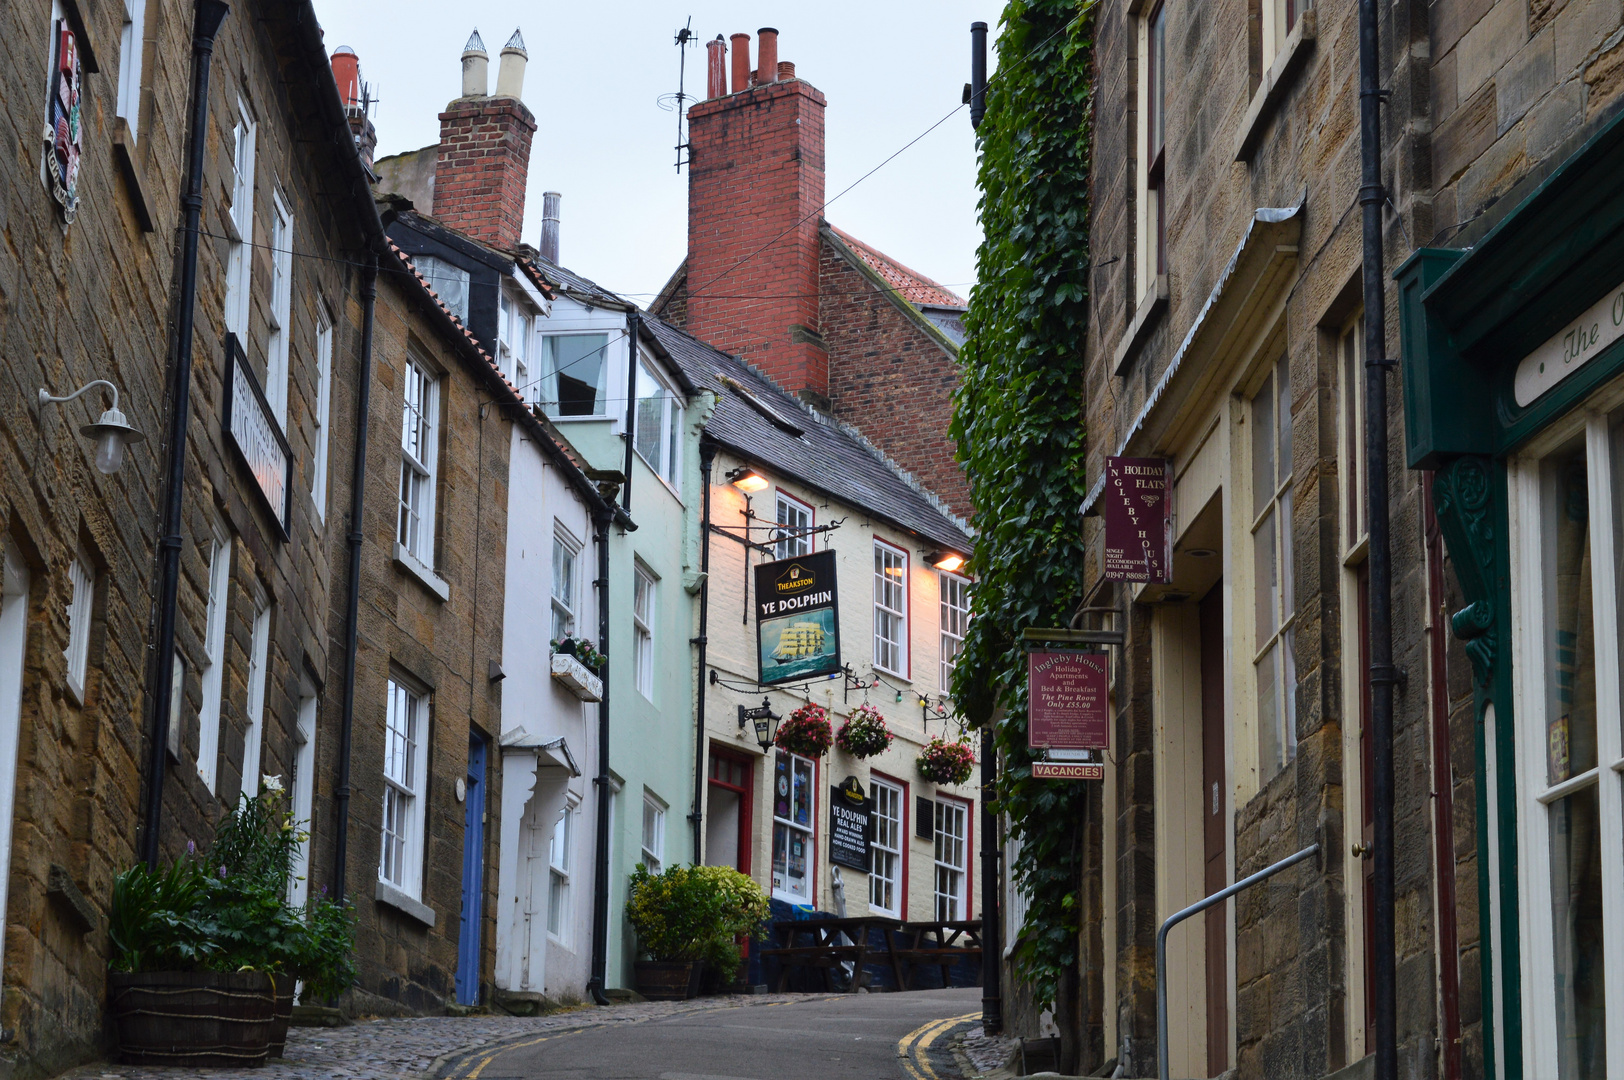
1158 80
1283 419
576 371
1570 723
790 861
448 281
1577 927
1263 440
801 807
1270 753
795 518
1263 580
651 402
1353 434
1283 568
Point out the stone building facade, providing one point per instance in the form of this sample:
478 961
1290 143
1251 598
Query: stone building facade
1227 338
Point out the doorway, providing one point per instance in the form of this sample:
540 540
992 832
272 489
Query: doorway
473 874
728 802
1215 825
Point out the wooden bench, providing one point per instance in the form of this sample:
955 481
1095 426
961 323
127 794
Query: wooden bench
826 953
934 944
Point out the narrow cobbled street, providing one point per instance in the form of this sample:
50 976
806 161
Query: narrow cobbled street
766 1037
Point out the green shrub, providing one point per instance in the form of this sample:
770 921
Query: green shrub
695 913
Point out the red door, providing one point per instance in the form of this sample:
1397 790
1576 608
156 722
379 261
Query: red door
1215 826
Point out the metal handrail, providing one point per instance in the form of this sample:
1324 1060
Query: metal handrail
1195 909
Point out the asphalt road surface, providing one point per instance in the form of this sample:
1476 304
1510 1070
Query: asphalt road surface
845 1037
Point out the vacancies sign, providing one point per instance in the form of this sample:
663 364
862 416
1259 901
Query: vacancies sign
797 619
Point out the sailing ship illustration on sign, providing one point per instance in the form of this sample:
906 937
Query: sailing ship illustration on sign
798 641
797 628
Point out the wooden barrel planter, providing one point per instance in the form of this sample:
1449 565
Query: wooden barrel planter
283 1016
202 1019
668 980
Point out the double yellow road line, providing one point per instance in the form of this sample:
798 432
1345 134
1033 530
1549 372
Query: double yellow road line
914 1049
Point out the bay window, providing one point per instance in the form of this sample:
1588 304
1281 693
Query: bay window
575 375
793 830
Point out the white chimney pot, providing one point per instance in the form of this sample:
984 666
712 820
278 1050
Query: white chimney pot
476 63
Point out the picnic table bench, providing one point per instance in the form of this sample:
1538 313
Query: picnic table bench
825 951
933 943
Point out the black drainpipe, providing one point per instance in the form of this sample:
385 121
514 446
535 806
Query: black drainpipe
1382 672
603 517
206 23
352 610
707 455
633 318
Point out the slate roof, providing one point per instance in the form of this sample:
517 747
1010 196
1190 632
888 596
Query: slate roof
762 423
915 287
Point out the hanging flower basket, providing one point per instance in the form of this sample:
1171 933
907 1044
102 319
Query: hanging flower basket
943 762
864 733
806 732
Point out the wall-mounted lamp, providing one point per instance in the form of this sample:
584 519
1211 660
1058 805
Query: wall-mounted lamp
112 433
747 479
765 722
945 560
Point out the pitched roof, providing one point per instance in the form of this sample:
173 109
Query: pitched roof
760 422
915 287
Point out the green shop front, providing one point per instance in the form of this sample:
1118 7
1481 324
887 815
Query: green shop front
1513 362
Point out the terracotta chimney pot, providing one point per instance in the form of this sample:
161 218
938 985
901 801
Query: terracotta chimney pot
741 62
786 70
715 68
766 55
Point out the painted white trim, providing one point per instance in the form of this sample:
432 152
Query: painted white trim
216 613
322 434
259 654
303 794
14 583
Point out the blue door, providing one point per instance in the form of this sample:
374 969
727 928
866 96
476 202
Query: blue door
473 876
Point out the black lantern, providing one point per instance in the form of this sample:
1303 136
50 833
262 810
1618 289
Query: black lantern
765 722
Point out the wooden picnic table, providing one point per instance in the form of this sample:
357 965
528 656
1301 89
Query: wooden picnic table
933 943
825 950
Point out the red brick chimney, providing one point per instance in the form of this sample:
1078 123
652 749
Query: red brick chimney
484 155
755 198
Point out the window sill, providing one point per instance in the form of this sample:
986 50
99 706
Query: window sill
416 909
1276 81
1150 309
415 566
124 153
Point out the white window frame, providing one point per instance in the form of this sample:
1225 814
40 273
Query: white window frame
131 45
240 223
1279 17
644 589
279 316
566 575
408 716
81 609
1150 181
953 904
1350 353
15 580
322 432
419 461
259 655
303 787
515 335
1016 899
809 831
1270 515
560 860
886 851
653 846
954 592
214 654
664 457
1531 662
796 519
548 374
885 555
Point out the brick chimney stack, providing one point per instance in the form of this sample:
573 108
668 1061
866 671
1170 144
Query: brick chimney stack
357 100
484 154
755 198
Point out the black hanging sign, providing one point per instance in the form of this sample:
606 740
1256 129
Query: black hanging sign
850 815
797 619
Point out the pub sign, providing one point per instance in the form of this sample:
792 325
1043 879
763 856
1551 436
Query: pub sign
1066 701
64 136
797 619
850 818
1138 520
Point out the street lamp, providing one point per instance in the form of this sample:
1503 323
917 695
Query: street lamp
945 560
112 433
765 721
747 479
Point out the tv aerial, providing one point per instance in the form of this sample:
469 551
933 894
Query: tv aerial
677 102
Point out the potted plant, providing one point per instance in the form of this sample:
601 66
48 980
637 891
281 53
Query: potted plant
943 762
806 732
864 734
686 918
575 664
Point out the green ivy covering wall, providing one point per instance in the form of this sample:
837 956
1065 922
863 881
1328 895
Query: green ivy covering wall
1018 422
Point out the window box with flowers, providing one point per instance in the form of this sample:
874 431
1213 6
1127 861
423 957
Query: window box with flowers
806 732
864 734
943 762
575 664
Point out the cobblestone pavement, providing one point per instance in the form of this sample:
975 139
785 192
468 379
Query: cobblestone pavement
988 1056
410 1049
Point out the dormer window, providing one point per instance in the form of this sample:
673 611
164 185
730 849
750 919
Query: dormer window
514 327
450 282
575 374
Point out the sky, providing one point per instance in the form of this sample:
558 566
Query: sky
889 69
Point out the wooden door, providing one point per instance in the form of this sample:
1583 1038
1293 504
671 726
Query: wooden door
1215 826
